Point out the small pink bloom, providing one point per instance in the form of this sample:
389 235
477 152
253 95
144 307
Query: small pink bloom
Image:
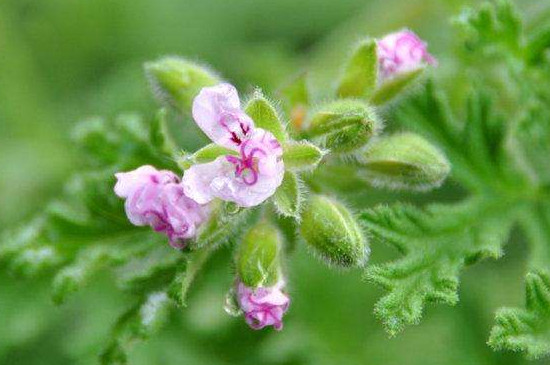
402 52
263 306
156 198
247 178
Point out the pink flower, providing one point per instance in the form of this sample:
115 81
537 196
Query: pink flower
156 198
402 52
263 306
250 176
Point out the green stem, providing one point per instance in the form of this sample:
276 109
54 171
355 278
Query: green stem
195 263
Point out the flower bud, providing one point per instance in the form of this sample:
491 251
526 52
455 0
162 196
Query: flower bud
402 52
333 232
343 125
404 161
258 259
263 306
176 81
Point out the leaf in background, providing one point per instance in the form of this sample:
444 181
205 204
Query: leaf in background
495 27
528 329
295 93
137 324
529 143
437 242
475 146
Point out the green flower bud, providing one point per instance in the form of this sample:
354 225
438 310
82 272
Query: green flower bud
333 232
343 125
258 258
176 81
404 161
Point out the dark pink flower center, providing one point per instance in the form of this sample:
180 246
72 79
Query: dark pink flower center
246 166
235 127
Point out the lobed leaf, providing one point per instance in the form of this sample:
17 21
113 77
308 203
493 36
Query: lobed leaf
437 242
526 330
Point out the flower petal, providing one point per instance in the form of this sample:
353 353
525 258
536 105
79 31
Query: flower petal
219 178
401 52
128 182
157 198
217 111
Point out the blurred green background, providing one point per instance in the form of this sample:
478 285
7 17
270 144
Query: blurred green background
62 60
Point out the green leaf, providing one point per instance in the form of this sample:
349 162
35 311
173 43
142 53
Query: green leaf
494 28
288 197
526 330
89 262
391 88
265 116
436 243
299 156
528 145
537 45
150 270
361 73
187 273
137 324
475 146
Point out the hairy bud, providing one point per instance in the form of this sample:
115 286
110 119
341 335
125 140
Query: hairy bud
404 161
176 81
343 125
258 259
333 232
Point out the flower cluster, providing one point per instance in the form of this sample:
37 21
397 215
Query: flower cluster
249 174
248 168
402 52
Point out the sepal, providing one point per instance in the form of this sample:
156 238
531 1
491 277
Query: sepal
300 156
265 116
361 73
